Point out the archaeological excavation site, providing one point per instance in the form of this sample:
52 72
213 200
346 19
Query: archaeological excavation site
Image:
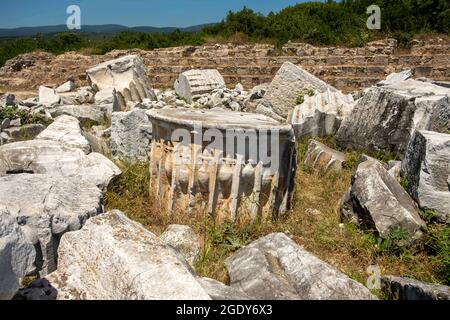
232 169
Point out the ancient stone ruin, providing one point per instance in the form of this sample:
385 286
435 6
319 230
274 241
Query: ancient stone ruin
124 78
218 148
247 170
194 84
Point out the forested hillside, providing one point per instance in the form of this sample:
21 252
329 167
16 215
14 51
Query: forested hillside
331 23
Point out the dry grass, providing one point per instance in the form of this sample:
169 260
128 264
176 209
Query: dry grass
347 248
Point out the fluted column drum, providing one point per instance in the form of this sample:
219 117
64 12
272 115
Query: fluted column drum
231 165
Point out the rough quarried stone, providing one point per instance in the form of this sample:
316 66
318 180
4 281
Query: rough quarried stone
8 99
131 134
25 132
246 174
396 77
219 291
46 207
376 201
386 116
290 82
66 87
426 168
322 158
114 258
105 95
193 84
4 138
127 75
17 254
5 123
266 110
321 114
66 130
398 288
48 96
50 157
90 113
184 240
276 268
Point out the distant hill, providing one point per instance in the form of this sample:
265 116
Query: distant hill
99 29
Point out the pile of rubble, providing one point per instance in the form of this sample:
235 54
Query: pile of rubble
53 175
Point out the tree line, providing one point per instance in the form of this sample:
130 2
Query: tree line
317 23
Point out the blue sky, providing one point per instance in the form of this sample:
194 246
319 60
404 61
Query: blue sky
158 13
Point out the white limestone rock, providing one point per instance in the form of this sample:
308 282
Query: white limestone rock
105 95
322 158
46 207
386 117
66 87
426 168
51 157
290 82
17 254
376 201
127 75
85 112
131 134
219 291
48 96
67 131
393 78
25 132
321 114
193 84
184 240
114 258
275 268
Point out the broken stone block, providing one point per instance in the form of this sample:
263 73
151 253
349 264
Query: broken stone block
66 87
48 96
393 78
386 116
84 113
115 258
398 288
321 115
127 75
66 130
394 168
275 268
219 291
25 132
5 124
426 168
184 240
17 254
46 207
51 157
193 84
322 158
376 201
131 135
105 96
288 85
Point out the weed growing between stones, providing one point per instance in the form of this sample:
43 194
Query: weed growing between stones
13 112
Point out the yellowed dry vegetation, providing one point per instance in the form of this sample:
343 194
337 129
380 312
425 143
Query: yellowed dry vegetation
315 222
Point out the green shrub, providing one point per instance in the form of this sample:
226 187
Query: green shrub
439 243
25 117
395 243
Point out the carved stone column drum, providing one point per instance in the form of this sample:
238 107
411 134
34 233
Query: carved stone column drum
231 165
